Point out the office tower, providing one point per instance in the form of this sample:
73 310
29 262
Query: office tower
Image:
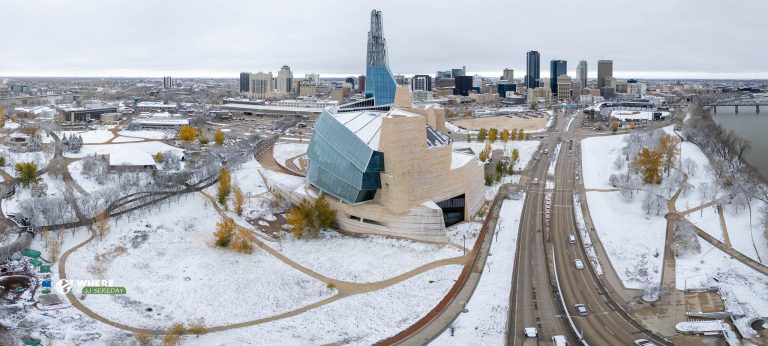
564 87
361 83
400 79
508 75
284 80
458 72
604 72
379 82
556 68
245 82
532 69
351 80
262 83
443 74
581 73
421 82
506 89
167 82
314 77
462 85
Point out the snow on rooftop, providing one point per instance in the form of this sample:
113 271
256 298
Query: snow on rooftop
131 157
365 124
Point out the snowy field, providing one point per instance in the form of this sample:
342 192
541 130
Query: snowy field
747 235
633 240
363 259
598 154
465 231
486 321
744 290
222 286
106 149
526 149
361 319
40 158
148 134
89 137
282 152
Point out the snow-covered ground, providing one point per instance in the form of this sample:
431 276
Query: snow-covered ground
598 154
106 149
40 158
553 160
586 240
363 259
526 149
747 235
744 290
148 134
282 152
361 319
467 231
142 253
89 137
486 320
633 240
708 220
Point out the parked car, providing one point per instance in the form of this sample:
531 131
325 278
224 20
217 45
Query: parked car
643 342
535 181
579 264
581 309
572 239
531 332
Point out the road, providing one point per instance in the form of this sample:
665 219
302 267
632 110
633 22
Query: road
606 324
532 298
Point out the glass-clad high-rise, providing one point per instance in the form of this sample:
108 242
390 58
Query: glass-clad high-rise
341 162
379 82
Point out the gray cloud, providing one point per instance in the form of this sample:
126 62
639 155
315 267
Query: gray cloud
153 38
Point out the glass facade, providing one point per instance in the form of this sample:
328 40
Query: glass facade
380 83
341 164
453 210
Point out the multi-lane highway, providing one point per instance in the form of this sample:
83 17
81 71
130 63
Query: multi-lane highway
535 300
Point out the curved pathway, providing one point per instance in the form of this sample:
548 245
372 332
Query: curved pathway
344 288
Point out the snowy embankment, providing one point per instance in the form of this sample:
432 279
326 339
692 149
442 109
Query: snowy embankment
361 319
586 240
148 254
282 152
553 160
744 290
148 134
569 123
486 320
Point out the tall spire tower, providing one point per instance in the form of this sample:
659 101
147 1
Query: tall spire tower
379 82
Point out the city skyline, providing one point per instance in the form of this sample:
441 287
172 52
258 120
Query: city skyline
145 43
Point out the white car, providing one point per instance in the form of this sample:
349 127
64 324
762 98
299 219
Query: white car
581 309
643 342
572 239
559 340
579 264
531 333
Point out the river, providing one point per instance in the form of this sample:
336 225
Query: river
751 126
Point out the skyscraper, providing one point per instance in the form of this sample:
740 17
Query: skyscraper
556 68
421 82
379 82
508 75
284 80
581 73
167 82
261 83
245 82
604 70
463 84
532 69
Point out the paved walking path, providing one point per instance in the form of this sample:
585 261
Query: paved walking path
732 252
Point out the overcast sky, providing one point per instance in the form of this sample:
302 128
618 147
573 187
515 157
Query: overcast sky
645 39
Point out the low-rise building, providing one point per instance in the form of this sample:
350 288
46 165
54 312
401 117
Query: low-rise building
160 121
